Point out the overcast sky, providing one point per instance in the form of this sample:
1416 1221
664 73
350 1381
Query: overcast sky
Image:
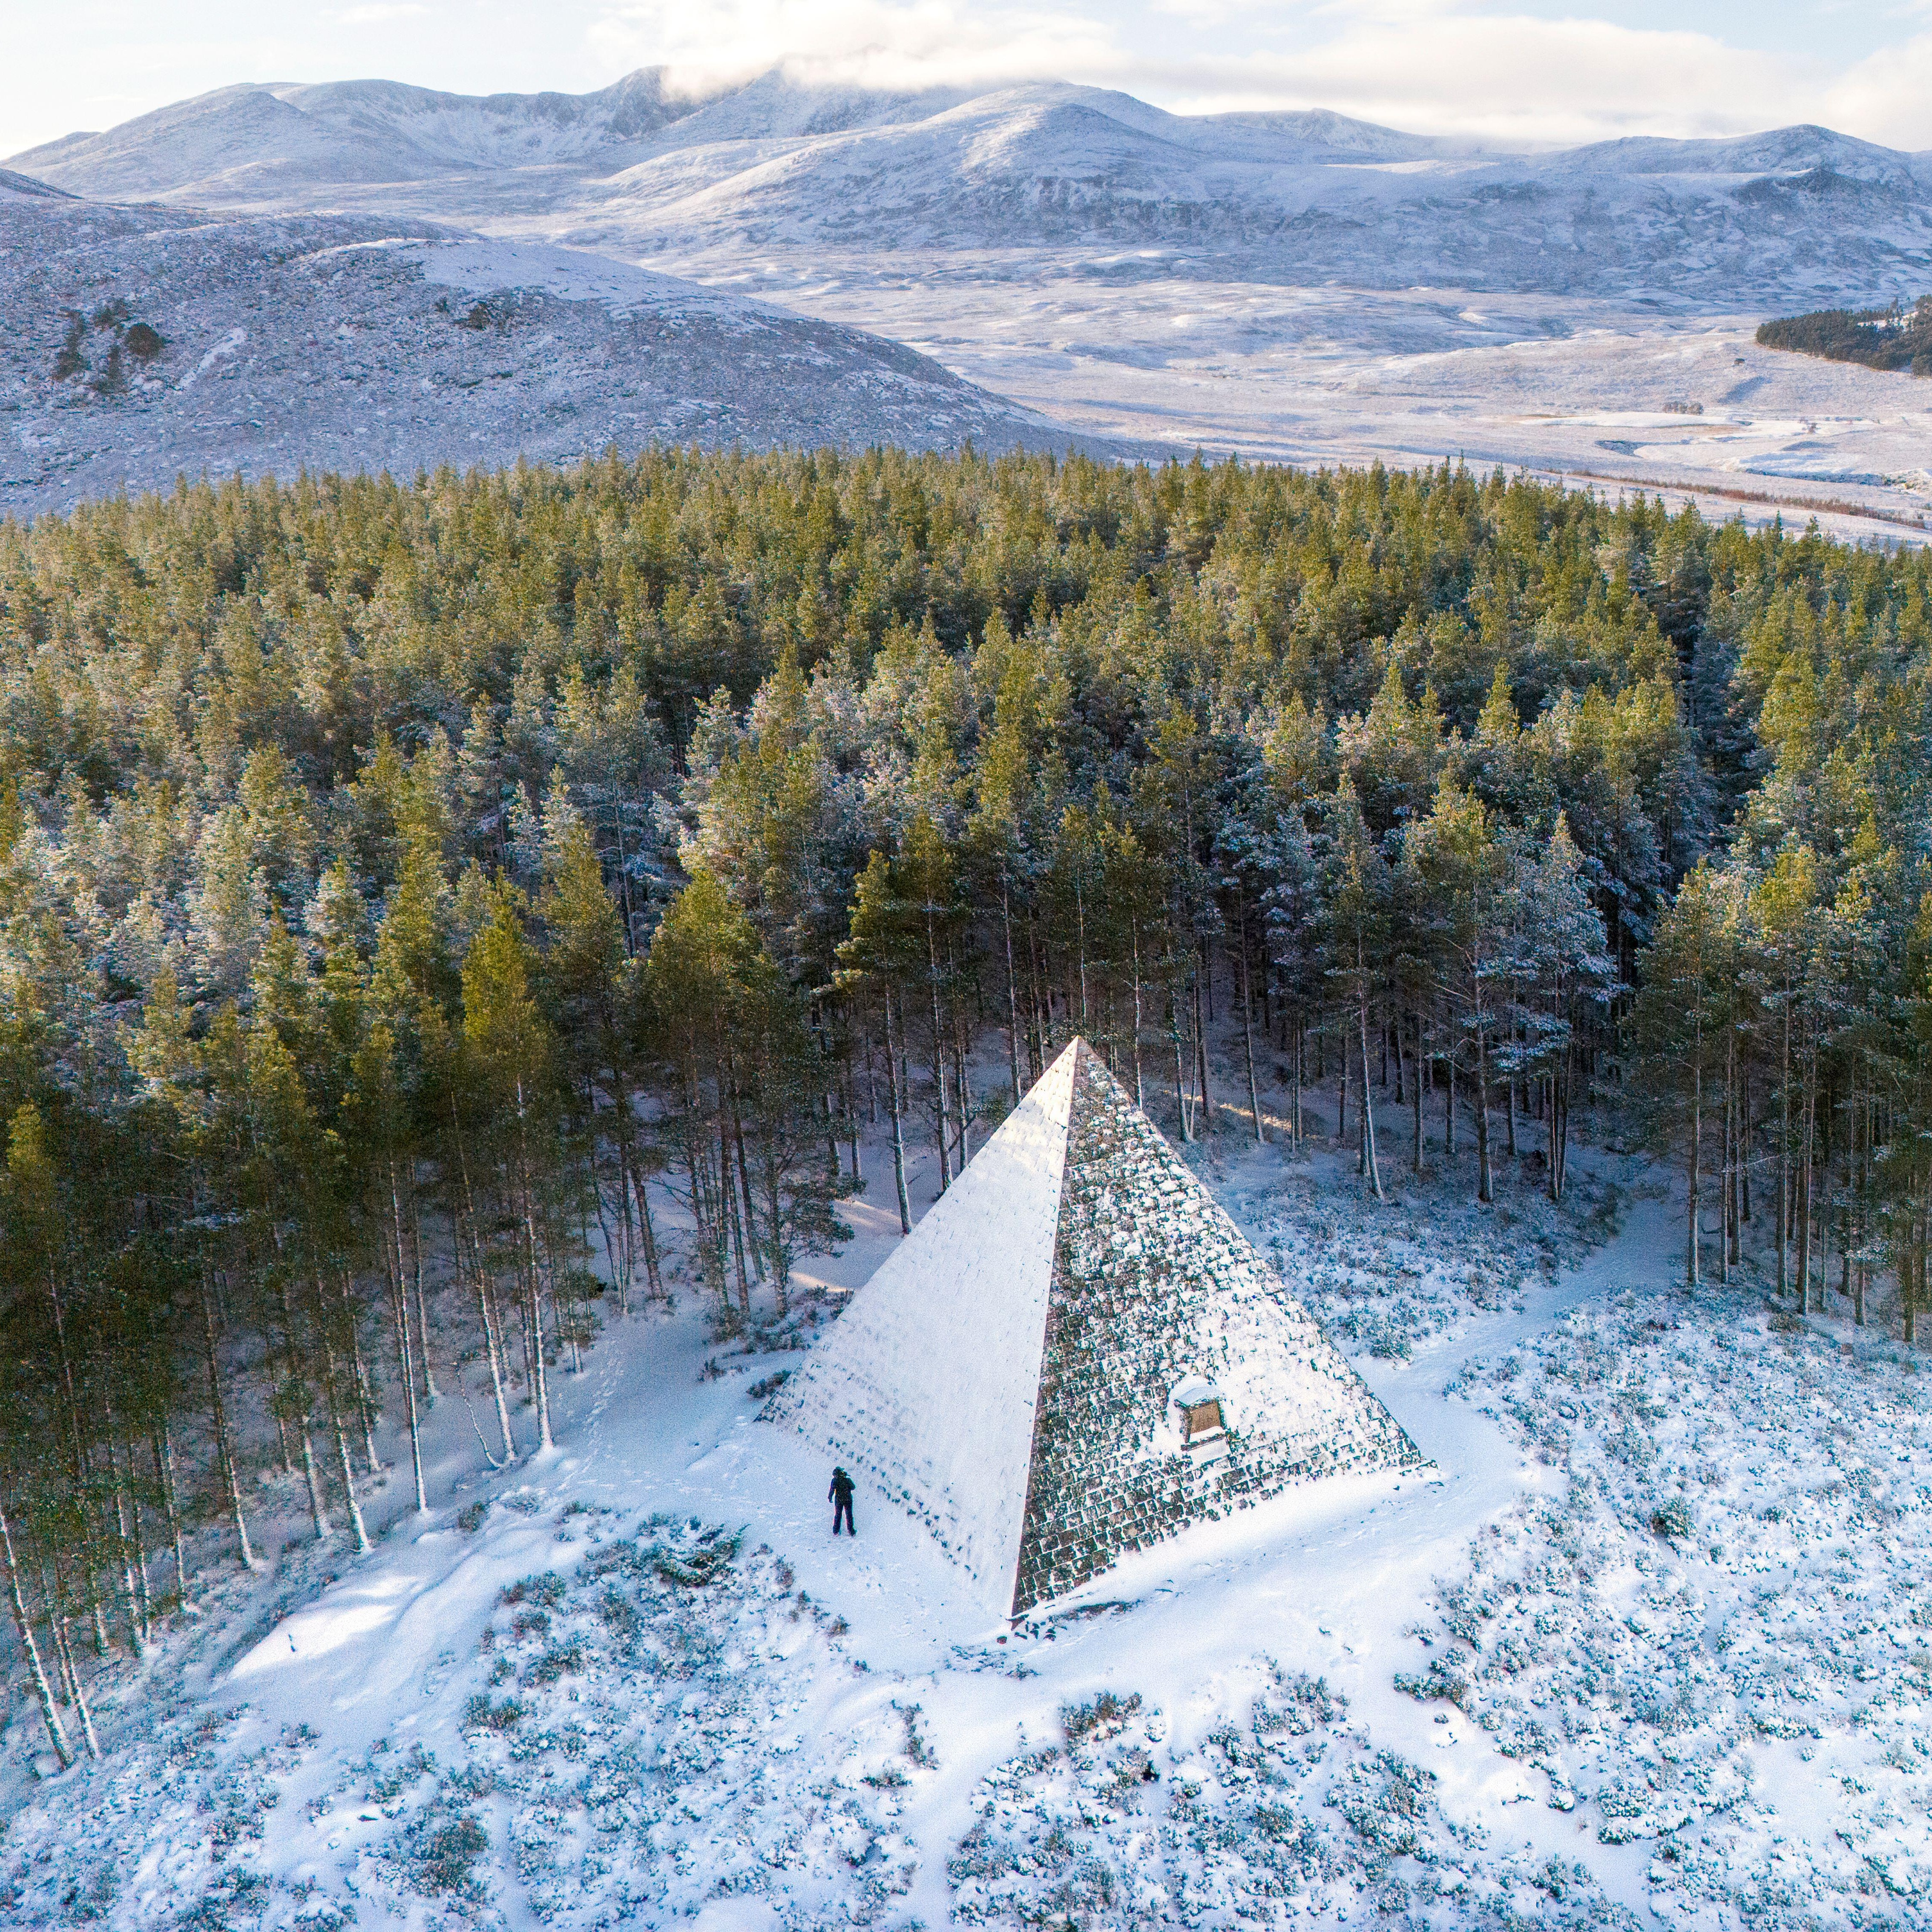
1531 70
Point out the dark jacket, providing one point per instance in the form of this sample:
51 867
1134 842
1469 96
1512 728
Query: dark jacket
840 1491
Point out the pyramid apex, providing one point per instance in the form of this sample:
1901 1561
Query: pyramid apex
1068 1055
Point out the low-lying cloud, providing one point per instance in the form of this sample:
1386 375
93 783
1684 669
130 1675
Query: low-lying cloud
1465 68
1432 66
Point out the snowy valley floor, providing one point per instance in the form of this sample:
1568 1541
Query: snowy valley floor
1648 1645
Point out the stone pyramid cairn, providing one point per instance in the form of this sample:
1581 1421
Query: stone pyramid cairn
1076 1353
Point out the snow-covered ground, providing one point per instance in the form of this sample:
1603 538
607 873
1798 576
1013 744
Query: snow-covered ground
1647 1643
1605 394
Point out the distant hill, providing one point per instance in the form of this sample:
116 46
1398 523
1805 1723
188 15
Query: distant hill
1887 338
286 144
1778 218
25 187
146 343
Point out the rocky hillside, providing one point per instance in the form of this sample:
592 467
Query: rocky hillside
151 342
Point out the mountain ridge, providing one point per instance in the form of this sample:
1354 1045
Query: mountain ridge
640 169
437 130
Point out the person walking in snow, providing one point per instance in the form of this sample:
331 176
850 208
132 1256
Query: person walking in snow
840 1496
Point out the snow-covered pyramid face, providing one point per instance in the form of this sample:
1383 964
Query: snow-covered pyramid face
1076 1353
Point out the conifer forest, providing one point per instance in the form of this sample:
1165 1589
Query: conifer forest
438 918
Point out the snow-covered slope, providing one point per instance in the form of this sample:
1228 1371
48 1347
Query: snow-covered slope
1781 218
251 142
353 343
1648 1647
1796 213
25 187
287 144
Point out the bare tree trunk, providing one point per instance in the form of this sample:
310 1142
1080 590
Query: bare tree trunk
734 1115
23 1632
163 1448
892 1101
1179 1079
1201 1048
1415 1096
1913 1277
540 1380
1485 1183
1080 926
399 1306
1368 1099
496 1341
224 1447
76 1688
64 1671
625 1272
851 1106
780 1266
1784 1147
1300 1043
141 1566
1012 991
426 1362
1724 1176
962 1086
1743 1204
640 1187
1804 1203
365 1401
1038 1020
359 1532
486 1309
1140 1089
295 1388
1861 1119
942 1123
713 1241
323 1529
731 1236
1248 1034
1691 1274
133 1570
492 1333
1559 1122
533 1302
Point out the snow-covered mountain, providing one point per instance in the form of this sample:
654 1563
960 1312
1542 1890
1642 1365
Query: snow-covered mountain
249 142
1056 172
254 145
149 342
1048 168
1289 285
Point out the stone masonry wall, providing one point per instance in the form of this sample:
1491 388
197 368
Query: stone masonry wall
1152 1282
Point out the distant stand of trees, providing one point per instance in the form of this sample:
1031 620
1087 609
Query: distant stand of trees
1881 338
434 914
